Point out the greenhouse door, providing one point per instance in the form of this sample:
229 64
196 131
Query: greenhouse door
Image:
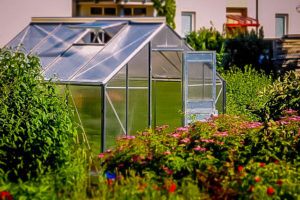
199 85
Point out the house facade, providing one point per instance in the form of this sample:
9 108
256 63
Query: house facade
277 17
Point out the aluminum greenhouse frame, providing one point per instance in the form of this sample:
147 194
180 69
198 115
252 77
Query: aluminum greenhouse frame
130 66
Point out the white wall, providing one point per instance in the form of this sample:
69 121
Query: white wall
269 8
206 11
15 15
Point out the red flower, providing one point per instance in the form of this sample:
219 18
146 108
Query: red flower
240 168
251 188
276 162
262 164
270 191
5 195
172 188
257 179
279 182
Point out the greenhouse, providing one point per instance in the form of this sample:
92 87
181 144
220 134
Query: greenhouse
124 76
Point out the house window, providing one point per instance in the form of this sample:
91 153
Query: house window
140 11
187 23
281 25
110 11
96 11
127 11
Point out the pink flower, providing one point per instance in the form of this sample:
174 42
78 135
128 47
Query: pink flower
167 153
108 151
253 124
176 135
185 140
198 148
221 134
207 140
294 118
290 111
101 155
167 170
128 137
182 129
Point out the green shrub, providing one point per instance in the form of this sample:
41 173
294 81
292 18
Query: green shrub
242 89
36 126
282 95
245 48
207 39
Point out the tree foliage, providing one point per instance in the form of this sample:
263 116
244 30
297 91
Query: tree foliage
166 8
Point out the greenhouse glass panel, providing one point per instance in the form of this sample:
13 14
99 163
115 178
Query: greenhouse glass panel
75 58
115 97
116 54
57 43
138 75
166 64
167 103
86 101
31 36
167 38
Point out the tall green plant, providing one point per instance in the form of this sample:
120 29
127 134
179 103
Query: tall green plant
36 125
166 8
244 48
242 91
207 39
283 94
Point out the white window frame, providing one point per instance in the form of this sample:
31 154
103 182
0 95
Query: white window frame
192 15
285 18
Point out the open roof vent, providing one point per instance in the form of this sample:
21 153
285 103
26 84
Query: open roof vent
98 33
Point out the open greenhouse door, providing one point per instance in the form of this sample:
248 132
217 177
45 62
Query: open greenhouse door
199 85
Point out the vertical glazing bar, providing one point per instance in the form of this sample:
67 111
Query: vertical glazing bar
214 79
150 85
127 100
224 97
103 118
184 87
203 80
154 96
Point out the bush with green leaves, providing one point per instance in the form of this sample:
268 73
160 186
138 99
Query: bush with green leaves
283 94
245 48
207 39
242 89
37 133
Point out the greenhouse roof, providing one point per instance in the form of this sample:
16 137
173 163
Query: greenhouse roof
66 56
